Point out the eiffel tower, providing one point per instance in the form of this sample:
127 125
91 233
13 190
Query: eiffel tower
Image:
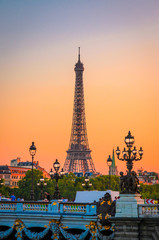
79 154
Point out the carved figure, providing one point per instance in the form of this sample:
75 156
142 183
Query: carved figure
122 183
135 182
129 183
105 208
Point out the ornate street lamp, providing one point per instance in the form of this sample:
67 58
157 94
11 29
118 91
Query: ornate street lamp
56 176
109 163
86 185
32 151
130 154
129 183
42 183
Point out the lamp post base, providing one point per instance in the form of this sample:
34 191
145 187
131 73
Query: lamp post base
127 205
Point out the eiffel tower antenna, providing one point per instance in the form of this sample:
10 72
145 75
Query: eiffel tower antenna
78 157
79 54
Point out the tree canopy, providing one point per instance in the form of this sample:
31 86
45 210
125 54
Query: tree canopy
69 185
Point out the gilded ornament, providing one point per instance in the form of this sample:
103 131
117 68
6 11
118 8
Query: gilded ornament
109 203
106 227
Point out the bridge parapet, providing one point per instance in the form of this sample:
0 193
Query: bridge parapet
78 208
49 207
148 210
74 207
8 206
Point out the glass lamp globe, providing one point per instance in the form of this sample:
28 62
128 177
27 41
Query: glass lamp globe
141 152
129 140
134 151
124 152
109 161
51 172
86 179
62 172
56 165
32 149
117 151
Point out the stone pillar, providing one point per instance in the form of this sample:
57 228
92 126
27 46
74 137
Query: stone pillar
126 220
127 205
54 206
126 228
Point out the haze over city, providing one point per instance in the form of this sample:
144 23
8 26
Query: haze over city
119 49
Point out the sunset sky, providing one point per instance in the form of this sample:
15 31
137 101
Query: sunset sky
39 42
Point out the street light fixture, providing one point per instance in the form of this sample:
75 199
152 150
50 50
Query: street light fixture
109 163
129 155
129 140
41 184
56 176
86 185
32 151
129 183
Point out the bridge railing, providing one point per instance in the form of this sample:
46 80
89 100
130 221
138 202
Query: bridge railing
8 206
148 210
23 206
80 208
54 206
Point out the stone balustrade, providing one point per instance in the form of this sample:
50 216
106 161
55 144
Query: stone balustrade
49 207
37 207
72 207
8 206
79 208
144 210
148 210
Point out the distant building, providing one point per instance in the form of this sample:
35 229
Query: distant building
17 170
147 177
5 174
18 163
113 167
45 173
16 174
15 162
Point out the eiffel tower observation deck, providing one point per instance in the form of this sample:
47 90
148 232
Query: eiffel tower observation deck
79 154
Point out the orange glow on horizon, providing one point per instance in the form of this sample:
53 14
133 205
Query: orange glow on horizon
119 50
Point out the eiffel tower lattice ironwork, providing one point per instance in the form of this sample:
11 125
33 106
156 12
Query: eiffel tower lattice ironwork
79 154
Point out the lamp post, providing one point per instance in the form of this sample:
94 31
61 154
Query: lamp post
109 163
86 185
41 184
130 182
56 176
129 154
32 151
